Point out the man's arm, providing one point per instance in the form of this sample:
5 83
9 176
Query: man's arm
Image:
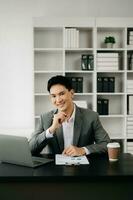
38 139
101 138
46 128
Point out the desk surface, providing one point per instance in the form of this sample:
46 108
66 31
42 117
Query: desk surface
99 168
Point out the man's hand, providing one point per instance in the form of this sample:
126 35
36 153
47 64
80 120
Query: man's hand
74 151
58 119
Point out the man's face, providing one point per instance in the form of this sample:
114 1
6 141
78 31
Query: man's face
61 97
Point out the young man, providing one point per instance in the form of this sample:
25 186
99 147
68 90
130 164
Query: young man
69 129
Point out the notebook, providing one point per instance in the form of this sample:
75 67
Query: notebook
15 150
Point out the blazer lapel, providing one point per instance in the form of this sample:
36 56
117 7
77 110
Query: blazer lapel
77 126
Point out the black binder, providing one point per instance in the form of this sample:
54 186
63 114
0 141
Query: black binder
99 106
111 84
105 84
79 84
99 84
105 106
74 83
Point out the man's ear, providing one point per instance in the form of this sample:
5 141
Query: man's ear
72 93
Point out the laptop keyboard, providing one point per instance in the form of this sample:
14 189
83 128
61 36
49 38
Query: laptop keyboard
36 162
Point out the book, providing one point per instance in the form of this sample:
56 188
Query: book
90 64
99 106
111 84
107 59
99 84
79 87
107 68
112 55
113 64
77 84
71 38
105 84
84 62
82 104
74 83
105 107
87 62
130 104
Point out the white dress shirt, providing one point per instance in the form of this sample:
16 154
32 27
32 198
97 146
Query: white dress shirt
68 131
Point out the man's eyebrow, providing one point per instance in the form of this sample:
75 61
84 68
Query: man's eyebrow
58 93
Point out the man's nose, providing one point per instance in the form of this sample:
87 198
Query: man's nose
58 99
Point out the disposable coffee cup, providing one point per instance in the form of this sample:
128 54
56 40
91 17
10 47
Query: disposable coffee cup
113 151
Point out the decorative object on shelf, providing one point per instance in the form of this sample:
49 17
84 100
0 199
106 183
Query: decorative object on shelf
109 41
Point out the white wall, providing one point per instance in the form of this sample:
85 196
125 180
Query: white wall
16 51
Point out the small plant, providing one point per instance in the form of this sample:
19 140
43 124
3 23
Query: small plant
109 39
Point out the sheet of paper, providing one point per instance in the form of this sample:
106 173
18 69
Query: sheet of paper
61 159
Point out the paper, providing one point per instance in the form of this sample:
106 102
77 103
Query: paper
61 159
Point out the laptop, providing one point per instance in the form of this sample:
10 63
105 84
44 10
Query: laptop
15 150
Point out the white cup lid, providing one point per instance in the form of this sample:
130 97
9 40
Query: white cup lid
113 145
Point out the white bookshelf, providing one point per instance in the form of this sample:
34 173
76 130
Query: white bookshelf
53 56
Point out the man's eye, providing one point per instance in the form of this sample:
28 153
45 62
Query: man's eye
62 93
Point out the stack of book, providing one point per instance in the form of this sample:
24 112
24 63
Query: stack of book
130 38
129 86
82 104
107 61
130 147
130 126
130 61
87 62
71 38
103 106
105 84
77 84
130 104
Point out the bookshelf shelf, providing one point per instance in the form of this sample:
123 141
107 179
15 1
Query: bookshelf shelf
79 71
76 48
46 72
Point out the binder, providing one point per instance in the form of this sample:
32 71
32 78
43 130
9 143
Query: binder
105 84
99 106
105 106
90 62
79 87
87 62
74 83
84 62
99 84
111 84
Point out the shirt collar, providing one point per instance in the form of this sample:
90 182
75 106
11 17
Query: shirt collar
71 119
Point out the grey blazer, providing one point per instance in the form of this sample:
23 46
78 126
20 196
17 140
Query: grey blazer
88 132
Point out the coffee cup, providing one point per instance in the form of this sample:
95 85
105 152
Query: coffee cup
113 151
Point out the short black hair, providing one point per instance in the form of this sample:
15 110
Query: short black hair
62 80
